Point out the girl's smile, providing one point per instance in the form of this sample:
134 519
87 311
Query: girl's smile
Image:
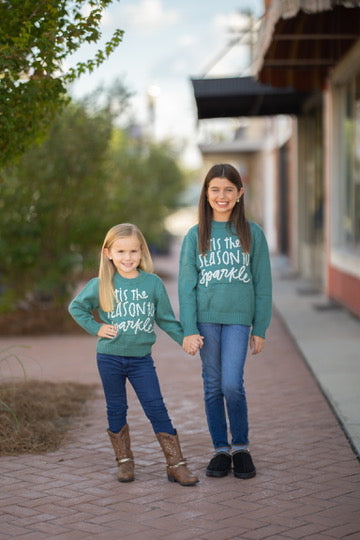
125 253
222 196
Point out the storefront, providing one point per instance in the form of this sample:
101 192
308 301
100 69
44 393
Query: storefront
308 66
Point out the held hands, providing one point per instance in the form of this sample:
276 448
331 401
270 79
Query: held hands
191 344
107 331
256 344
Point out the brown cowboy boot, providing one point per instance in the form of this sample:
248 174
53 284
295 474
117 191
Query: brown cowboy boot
123 454
177 470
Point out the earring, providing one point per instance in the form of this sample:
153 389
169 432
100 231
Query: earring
237 200
110 258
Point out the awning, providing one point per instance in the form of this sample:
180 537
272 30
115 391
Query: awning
244 96
301 40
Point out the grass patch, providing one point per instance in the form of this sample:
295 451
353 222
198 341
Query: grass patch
35 415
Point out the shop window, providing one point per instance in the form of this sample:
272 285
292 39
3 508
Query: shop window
351 133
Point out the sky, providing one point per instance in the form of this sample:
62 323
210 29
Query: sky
165 43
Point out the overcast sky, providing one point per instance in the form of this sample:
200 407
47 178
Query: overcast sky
165 43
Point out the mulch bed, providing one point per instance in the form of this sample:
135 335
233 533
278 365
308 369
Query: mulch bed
38 321
36 415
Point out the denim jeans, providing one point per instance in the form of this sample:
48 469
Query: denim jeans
223 358
141 373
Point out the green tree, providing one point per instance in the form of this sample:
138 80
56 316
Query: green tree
144 183
53 206
36 36
58 200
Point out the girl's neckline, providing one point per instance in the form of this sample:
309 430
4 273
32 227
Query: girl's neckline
140 272
221 222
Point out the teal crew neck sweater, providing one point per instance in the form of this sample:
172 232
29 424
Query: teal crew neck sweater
139 302
225 286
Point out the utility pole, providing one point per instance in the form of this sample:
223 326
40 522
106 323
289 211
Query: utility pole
244 35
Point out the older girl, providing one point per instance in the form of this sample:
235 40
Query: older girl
224 295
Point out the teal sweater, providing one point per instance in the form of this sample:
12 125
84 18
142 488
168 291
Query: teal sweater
225 286
139 302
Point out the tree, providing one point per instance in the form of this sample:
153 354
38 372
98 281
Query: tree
52 207
144 183
59 199
36 36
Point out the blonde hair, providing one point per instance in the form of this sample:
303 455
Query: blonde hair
107 268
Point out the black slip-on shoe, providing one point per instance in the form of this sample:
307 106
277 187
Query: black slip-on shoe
243 465
219 465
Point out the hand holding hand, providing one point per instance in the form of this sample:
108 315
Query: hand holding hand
191 344
108 331
256 344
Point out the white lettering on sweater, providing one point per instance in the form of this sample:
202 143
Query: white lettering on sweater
135 308
234 263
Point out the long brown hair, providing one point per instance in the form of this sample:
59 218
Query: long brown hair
237 217
107 268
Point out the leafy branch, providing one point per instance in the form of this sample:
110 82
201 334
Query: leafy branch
36 37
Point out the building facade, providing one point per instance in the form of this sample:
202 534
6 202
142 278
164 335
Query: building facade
308 66
314 46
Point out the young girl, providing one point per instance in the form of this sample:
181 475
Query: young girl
129 299
224 291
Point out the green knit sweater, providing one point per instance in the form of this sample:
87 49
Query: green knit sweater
225 286
139 302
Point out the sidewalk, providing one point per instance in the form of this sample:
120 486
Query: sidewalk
329 340
307 483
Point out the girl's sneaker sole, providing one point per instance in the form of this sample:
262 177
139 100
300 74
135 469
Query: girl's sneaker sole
245 475
217 474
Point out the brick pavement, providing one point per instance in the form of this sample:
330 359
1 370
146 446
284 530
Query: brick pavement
308 478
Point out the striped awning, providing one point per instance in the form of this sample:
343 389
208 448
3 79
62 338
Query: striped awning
301 40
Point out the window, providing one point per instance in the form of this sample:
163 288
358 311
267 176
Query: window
351 134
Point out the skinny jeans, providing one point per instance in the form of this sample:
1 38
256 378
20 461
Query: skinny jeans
223 358
141 373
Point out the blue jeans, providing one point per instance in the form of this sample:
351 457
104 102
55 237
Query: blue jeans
223 358
141 373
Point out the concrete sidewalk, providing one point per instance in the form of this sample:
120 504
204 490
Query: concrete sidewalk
328 338
307 483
